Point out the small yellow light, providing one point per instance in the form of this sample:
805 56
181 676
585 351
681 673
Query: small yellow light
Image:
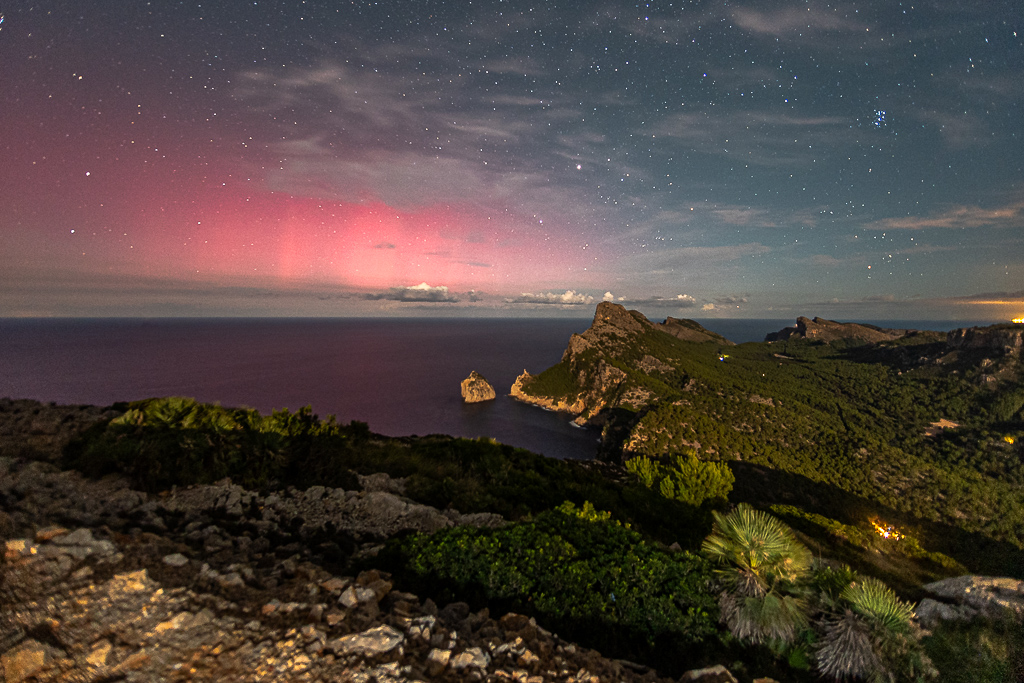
886 530
1009 439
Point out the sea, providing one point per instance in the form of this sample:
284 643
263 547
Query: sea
401 376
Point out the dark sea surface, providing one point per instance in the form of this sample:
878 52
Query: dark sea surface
401 376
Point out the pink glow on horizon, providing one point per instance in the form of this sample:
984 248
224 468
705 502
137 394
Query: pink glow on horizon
266 238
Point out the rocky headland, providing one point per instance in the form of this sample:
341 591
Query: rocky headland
820 329
588 382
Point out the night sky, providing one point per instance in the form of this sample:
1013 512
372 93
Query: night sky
855 160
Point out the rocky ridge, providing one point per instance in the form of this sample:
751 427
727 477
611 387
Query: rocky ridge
690 330
820 329
100 582
1005 340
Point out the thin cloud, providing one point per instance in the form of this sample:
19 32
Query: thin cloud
825 260
764 138
802 21
713 254
1009 216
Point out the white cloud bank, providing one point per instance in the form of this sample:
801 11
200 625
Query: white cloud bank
568 298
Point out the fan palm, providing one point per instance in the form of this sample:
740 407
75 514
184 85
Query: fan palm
763 565
872 636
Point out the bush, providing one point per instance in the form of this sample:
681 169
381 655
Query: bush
684 477
162 442
594 579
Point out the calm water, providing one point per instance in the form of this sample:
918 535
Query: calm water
400 376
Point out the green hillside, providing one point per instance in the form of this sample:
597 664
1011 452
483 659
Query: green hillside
908 430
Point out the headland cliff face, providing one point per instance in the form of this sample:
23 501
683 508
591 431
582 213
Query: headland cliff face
594 376
560 405
807 401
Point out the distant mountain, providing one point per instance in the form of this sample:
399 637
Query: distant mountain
827 330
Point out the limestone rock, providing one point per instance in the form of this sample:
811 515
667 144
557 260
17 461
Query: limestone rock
930 612
472 657
24 661
476 389
712 674
988 595
1007 340
437 660
376 641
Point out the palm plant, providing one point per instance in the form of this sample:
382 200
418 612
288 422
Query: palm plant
762 567
870 636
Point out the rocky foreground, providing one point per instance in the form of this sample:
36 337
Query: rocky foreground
101 582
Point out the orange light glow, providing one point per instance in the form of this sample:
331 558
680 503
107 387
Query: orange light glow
886 530
1019 321
1009 439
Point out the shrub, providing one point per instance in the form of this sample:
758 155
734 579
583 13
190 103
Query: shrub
167 441
590 576
684 477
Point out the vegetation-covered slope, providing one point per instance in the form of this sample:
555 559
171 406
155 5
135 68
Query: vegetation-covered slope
922 429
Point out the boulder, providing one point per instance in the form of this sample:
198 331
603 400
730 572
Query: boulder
930 612
989 595
375 641
476 389
712 674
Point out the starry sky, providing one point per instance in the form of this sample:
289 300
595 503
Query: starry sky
855 160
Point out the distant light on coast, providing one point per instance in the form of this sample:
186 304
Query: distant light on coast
1019 321
886 530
